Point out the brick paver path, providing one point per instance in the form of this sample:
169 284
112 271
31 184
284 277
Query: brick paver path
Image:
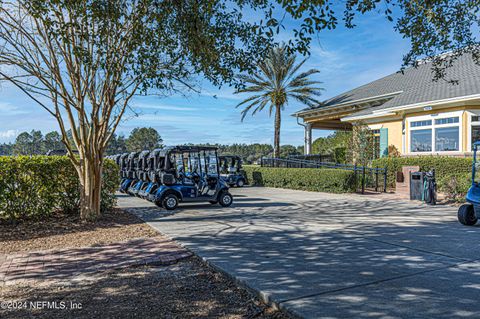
65 264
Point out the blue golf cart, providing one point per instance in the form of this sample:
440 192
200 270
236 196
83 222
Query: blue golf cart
189 174
141 180
152 173
469 213
130 175
231 170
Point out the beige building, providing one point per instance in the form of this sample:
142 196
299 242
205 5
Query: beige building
409 110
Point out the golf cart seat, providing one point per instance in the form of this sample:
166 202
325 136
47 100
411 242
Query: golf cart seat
132 165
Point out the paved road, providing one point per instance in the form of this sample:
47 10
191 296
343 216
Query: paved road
335 256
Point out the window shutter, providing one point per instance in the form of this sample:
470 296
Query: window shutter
383 142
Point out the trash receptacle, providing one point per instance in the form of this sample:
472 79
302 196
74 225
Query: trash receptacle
416 185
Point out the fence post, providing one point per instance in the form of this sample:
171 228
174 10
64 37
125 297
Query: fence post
355 176
376 179
363 179
385 180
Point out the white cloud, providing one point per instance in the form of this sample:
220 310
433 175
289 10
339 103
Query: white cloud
8 134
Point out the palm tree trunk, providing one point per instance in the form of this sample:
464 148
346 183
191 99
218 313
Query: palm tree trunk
276 140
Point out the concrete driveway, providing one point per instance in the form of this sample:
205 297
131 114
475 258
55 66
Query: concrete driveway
335 256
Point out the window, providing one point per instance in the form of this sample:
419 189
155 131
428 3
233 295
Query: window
435 134
448 120
447 139
421 140
475 130
421 123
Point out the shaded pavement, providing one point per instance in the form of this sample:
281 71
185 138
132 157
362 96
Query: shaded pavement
335 256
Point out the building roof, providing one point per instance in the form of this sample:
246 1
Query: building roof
414 85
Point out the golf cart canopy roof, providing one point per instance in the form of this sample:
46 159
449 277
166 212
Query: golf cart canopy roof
188 148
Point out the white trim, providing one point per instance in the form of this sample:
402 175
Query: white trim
471 113
349 103
366 116
434 102
432 127
391 110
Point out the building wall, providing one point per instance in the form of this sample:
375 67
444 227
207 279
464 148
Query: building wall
395 128
394 132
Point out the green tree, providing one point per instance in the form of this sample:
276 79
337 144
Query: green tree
38 143
23 144
275 82
117 145
89 58
288 150
361 150
145 138
335 144
53 141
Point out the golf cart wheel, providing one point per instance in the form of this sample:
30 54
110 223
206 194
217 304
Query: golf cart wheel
170 202
213 202
466 215
225 199
240 182
158 202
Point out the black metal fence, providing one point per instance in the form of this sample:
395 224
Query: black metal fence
366 178
314 157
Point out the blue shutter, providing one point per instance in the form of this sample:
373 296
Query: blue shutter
383 142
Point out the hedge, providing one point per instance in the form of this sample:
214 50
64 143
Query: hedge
309 179
35 186
453 174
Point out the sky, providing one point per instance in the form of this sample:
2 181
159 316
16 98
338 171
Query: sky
346 58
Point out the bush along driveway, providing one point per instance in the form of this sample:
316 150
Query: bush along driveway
335 256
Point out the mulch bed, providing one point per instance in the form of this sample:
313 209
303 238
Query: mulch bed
188 289
65 231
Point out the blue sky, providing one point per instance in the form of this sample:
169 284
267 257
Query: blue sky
346 59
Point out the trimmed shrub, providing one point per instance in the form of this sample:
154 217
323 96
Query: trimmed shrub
452 173
35 186
309 179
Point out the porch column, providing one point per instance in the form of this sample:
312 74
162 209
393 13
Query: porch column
308 139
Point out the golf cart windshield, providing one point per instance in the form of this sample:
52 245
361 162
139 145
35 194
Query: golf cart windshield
476 174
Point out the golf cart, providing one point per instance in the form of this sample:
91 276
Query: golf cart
469 213
130 172
123 167
140 174
231 170
189 174
154 164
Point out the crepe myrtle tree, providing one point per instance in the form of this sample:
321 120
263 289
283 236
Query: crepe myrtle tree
83 61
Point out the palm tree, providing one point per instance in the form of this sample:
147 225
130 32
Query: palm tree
275 82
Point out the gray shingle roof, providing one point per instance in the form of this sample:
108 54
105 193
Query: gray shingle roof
417 86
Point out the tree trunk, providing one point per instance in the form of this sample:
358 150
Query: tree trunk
276 140
91 188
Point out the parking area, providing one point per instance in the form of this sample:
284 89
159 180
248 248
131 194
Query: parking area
334 256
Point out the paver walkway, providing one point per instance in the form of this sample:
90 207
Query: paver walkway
65 264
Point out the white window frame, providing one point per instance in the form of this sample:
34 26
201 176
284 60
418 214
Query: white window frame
432 127
470 123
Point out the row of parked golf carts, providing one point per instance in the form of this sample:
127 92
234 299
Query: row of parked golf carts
176 174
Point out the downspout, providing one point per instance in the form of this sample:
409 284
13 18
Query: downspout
404 136
305 138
